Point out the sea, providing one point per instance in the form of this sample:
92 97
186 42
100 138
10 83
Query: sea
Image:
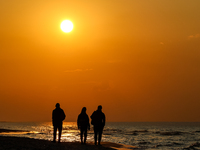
141 135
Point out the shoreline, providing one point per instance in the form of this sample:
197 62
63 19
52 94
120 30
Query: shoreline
9 130
22 143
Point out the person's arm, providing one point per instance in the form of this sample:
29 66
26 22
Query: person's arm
104 119
64 115
78 124
92 115
53 117
88 123
93 118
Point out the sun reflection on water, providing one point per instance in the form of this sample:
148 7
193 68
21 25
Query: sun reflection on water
44 130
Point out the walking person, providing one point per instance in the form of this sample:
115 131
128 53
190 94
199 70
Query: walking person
58 116
83 124
98 121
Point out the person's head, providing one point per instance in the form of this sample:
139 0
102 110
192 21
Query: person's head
99 108
57 105
83 110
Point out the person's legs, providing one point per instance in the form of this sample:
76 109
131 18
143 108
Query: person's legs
85 135
95 135
100 135
60 132
81 136
54 133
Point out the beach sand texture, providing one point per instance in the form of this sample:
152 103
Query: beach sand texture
18 143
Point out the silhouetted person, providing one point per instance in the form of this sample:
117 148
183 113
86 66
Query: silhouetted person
83 124
58 116
98 120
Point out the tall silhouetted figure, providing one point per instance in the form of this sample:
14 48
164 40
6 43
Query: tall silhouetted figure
83 124
58 116
98 120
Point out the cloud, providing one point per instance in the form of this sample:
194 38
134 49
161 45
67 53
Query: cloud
78 70
194 36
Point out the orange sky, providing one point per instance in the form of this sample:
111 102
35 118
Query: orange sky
139 59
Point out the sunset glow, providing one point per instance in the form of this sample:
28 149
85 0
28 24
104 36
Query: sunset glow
139 59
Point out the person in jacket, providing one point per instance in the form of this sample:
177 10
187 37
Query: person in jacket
58 116
83 124
98 121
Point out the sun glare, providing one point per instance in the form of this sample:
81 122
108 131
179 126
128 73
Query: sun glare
66 26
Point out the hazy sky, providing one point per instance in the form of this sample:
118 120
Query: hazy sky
139 59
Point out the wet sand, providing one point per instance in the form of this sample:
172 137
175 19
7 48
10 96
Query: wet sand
18 143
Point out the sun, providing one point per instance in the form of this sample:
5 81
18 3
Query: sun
66 26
